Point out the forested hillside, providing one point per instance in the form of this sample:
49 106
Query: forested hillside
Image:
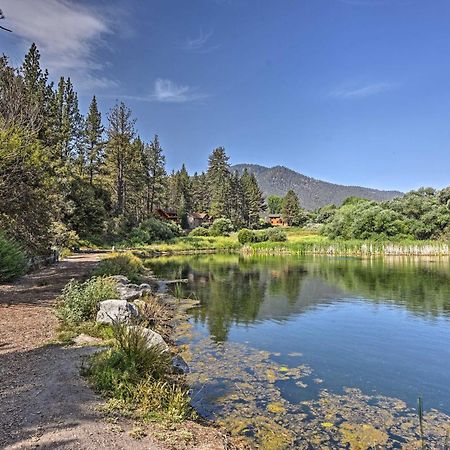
312 193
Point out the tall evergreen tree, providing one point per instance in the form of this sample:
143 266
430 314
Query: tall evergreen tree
291 207
253 199
120 135
200 192
95 145
219 183
155 174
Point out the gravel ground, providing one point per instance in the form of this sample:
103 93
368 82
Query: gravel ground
45 403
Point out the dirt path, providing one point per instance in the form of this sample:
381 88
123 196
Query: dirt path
44 402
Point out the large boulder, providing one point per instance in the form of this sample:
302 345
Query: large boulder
116 311
153 338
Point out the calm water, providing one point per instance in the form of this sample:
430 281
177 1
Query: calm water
319 345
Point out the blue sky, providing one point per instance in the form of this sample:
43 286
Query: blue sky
349 91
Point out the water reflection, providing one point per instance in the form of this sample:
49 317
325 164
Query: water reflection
242 290
317 352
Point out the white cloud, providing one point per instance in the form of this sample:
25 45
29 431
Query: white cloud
66 33
199 44
361 91
167 91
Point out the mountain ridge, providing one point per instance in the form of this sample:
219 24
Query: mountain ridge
312 193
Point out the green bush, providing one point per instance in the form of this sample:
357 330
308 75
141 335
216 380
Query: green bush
199 231
153 230
245 236
13 261
78 301
125 264
221 227
136 378
276 235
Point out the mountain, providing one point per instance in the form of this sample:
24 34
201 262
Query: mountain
312 193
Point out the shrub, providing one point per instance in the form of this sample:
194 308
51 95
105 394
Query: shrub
276 235
78 301
221 227
246 236
125 264
135 378
153 230
13 261
199 231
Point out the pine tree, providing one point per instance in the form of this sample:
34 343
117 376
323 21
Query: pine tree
253 199
155 173
291 207
120 135
34 82
237 201
219 183
93 136
200 192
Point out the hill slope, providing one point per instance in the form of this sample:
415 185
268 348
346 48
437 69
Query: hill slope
312 193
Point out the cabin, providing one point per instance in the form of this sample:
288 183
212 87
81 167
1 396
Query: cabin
276 220
166 214
196 220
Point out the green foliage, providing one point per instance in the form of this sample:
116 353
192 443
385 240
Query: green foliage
136 378
13 262
78 301
125 264
421 214
26 190
62 237
221 227
153 230
246 236
291 208
276 235
274 204
199 231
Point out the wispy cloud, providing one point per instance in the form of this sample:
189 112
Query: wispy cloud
167 91
200 43
361 91
67 34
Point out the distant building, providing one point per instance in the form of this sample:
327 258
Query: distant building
276 220
166 214
196 219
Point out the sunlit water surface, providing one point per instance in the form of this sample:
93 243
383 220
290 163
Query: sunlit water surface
309 352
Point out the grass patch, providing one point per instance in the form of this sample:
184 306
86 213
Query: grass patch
125 264
136 379
67 333
195 244
78 301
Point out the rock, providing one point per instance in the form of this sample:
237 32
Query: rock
128 293
132 292
120 279
111 311
154 339
84 339
179 364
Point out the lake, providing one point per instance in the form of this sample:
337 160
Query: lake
318 352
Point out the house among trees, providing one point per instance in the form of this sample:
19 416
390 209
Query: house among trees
196 219
276 220
166 214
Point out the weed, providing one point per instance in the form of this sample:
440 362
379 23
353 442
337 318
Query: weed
78 301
